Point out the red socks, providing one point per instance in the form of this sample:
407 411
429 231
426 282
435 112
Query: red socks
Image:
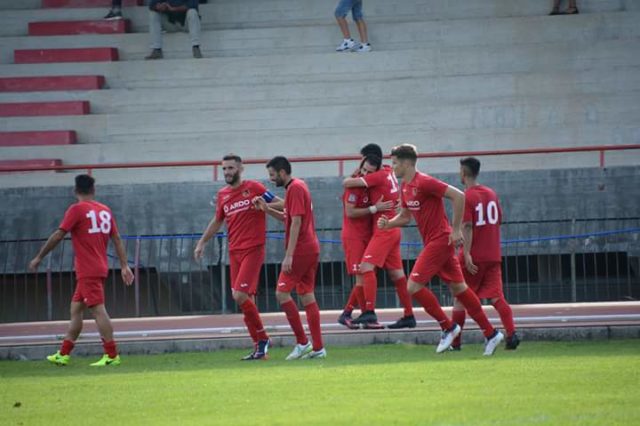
472 305
370 284
353 300
360 296
429 302
291 311
253 321
458 316
110 348
67 347
403 295
313 319
506 315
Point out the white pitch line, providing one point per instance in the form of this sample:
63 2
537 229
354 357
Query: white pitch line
229 330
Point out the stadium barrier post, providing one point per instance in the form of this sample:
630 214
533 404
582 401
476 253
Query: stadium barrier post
137 276
49 291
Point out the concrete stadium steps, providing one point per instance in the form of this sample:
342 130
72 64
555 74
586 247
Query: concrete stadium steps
55 28
385 36
51 83
330 67
88 54
88 3
437 90
282 13
36 138
620 110
31 109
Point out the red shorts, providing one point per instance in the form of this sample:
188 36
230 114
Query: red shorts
383 250
437 258
245 269
353 252
487 282
302 277
89 291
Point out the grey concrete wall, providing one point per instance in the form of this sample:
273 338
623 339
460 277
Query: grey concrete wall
552 196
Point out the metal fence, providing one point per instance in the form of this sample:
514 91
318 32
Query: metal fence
543 262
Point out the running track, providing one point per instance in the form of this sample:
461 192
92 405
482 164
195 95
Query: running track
224 326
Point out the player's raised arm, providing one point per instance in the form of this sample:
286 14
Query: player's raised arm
457 198
52 242
212 229
125 270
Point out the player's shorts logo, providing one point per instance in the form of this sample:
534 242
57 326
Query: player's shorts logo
244 285
282 284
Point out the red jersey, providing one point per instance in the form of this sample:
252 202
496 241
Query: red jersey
91 224
423 197
356 228
383 183
297 202
482 209
246 225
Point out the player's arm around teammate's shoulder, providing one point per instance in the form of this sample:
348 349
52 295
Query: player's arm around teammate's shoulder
275 210
354 182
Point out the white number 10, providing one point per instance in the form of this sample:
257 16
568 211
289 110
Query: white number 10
105 222
492 213
394 183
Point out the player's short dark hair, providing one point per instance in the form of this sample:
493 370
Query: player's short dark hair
85 184
471 166
371 148
233 157
280 163
374 160
405 152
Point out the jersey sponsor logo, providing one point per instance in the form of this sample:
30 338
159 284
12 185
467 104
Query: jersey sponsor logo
230 208
413 204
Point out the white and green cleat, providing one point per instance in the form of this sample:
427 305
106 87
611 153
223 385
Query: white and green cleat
299 351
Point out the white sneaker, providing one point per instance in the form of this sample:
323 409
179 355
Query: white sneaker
299 351
491 344
447 338
322 353
363 48
346 45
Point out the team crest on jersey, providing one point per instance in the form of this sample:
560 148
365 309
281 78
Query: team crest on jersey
365 200
245 193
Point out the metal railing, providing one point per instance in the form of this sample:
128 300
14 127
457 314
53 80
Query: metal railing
340 161
585 260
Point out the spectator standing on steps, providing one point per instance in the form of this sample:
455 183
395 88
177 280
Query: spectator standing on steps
173 16
572 8
342 10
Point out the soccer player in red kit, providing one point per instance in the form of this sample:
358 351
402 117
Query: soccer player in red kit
300 264
91 225
422 197
357 229
481 256
246 227
383 250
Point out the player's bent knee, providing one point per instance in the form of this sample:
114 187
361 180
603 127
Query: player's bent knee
457 288
283 297
414 287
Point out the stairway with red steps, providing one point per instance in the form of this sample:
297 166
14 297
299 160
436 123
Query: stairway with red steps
51 83
88 3
55 28
38 109
46 137
41 162
86 54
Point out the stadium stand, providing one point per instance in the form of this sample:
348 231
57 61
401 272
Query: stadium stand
496 74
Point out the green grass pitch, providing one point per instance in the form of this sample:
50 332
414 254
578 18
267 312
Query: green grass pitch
564 383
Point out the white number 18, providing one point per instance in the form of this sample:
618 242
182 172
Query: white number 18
105 222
